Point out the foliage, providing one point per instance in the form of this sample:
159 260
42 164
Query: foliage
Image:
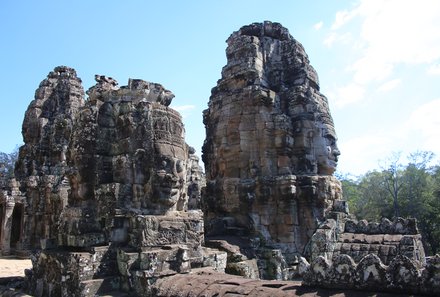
7 163
397 189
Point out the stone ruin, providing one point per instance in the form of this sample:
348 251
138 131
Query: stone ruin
270 148
109 199
358 239
105 186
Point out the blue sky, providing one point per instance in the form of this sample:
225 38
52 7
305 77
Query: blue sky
378 61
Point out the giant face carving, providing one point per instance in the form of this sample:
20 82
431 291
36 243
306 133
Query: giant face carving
170 157
327 152
270 140
169 178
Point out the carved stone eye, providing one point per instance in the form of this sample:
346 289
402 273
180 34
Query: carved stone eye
179 166
164 164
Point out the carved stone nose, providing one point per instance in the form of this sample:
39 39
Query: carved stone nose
171 177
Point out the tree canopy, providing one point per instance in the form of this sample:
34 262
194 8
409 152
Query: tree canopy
7 163
410 189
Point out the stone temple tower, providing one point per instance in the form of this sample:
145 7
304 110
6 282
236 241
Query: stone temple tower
270 149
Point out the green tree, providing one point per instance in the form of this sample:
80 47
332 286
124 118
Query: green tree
407 190
417 186
352 193
392 179
377 199
429 215
7 164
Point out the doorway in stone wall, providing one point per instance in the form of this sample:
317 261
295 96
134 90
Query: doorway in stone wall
2 217
17 216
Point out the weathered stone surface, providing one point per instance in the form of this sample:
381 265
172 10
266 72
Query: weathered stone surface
403 275
341 273
195 180
363 238
270 147
42 163
128 158
110 193
370 272
115 187
213 258
210 283
397 226
185 228
66 273
318 272
323 241
233 251
430 283
11 213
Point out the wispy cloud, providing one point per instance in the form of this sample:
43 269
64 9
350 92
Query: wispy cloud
347 94
420 132
333 38
390 39
184 110
318 26
359 154
386 34
397 31
426 122
389 85
343 17
368 69
330 39
434 69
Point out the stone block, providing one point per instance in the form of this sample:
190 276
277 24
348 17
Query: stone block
215 259
346 237
374 248
247 269
359 238
127 262
375 239
392 238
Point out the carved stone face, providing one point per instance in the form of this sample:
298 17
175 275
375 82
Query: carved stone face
327 152
170 158
169 179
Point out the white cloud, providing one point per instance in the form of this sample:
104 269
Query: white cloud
318 26
330 39
341 38
389 39
402 31
367 70
425 122
434 69
389 85
184 110
180 108
343 17
360 154
420 132
348 94
391 32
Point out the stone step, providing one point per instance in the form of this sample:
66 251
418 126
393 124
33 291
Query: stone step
100 286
